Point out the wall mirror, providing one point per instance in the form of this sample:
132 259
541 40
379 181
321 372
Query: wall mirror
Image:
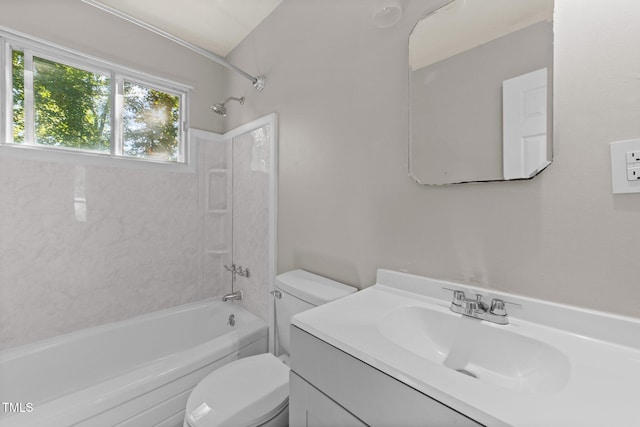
480 91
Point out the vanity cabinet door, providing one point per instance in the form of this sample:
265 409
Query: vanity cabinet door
308 407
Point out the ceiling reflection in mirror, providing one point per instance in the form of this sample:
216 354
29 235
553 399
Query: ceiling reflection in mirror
480 91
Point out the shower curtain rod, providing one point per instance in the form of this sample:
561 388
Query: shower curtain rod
258 82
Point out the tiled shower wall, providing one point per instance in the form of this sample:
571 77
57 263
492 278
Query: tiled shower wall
251 171
86 245
216 208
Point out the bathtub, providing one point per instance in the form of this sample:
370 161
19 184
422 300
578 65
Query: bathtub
137 372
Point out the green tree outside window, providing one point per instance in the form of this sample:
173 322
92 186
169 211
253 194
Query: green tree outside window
151 123
72 109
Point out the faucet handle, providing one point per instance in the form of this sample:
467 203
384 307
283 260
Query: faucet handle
458 298
243 271
498 307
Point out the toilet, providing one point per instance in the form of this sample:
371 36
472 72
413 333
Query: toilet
254 391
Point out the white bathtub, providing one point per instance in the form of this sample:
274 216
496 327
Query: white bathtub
137 372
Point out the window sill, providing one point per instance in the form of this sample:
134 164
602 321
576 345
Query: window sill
78 157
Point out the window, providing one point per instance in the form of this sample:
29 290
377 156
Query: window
56 99
151 122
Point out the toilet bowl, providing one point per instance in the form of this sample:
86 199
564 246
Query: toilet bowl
254 391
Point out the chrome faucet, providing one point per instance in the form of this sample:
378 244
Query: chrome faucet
478 309
233 296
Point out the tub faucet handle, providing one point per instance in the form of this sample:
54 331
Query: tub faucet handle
242 271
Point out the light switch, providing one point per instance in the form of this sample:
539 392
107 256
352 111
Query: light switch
625 166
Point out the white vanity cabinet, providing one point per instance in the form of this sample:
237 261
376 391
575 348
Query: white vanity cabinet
309 407
329 387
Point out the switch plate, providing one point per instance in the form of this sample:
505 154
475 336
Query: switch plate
625 161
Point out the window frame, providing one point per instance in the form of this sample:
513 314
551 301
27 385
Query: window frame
117 74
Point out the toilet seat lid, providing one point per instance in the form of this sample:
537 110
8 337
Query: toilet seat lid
245 392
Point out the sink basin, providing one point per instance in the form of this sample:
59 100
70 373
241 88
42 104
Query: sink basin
489 353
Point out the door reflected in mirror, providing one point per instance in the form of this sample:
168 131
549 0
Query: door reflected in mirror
480 93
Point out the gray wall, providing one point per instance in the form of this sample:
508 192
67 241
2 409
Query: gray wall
347 205
140 248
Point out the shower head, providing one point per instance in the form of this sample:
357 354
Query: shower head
221 109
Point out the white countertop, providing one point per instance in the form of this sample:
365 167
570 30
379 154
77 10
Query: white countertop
601 386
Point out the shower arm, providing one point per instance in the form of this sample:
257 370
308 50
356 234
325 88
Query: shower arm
240 100
258 82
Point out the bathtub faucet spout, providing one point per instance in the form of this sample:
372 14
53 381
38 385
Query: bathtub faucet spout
233 296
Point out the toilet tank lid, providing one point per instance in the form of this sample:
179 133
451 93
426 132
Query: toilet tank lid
312 288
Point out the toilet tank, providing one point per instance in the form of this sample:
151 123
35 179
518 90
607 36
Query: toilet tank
301 291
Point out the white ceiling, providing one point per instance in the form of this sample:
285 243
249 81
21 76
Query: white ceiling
215 25
465 24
